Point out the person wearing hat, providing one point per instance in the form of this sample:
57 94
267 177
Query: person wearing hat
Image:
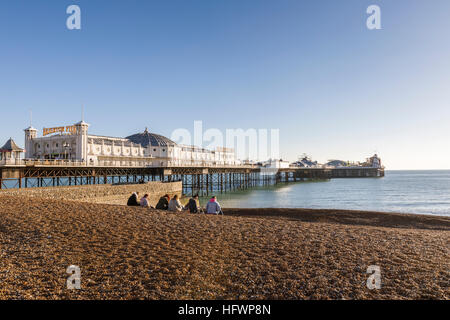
213 207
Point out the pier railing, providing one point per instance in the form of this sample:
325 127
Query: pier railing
10 162
207 164
140 163
41 163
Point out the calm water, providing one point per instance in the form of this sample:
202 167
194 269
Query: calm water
424 192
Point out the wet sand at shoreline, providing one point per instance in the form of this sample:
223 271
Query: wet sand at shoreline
350 217
134 253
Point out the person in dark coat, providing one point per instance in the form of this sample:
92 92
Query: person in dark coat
163 203
193 205
133 200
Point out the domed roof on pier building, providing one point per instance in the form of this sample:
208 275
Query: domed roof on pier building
337 163
150 139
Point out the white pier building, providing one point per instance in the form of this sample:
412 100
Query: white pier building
75 144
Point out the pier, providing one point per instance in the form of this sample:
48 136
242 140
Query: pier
72 157
197 178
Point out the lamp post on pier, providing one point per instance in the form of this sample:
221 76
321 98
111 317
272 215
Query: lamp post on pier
66 147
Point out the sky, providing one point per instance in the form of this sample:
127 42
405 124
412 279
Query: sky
312 69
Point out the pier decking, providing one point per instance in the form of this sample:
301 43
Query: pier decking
196 178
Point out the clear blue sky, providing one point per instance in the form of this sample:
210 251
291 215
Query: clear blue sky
310 68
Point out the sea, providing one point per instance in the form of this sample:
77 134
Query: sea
420 192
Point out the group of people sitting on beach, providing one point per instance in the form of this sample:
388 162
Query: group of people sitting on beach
174 204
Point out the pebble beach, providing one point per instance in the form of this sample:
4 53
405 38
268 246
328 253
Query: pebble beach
134 253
